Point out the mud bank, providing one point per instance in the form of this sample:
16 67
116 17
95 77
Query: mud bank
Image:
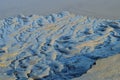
59 46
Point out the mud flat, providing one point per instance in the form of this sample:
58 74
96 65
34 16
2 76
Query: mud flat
59 46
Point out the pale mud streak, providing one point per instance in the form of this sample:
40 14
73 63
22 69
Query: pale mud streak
50 27
95 42
60 46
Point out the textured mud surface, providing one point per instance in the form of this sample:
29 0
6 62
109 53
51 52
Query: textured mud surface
60 46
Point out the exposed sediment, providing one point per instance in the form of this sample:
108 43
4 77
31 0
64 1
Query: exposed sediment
60 46
105 69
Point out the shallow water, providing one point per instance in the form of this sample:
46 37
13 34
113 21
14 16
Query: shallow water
98 8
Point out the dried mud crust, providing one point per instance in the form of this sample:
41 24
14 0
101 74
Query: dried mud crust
60 46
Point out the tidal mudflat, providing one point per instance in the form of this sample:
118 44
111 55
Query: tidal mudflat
60 46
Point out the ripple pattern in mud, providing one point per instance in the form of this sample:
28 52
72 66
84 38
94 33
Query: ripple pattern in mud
60 46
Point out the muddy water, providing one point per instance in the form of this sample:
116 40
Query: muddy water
98 8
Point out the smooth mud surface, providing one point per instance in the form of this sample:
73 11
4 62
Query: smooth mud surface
105 69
